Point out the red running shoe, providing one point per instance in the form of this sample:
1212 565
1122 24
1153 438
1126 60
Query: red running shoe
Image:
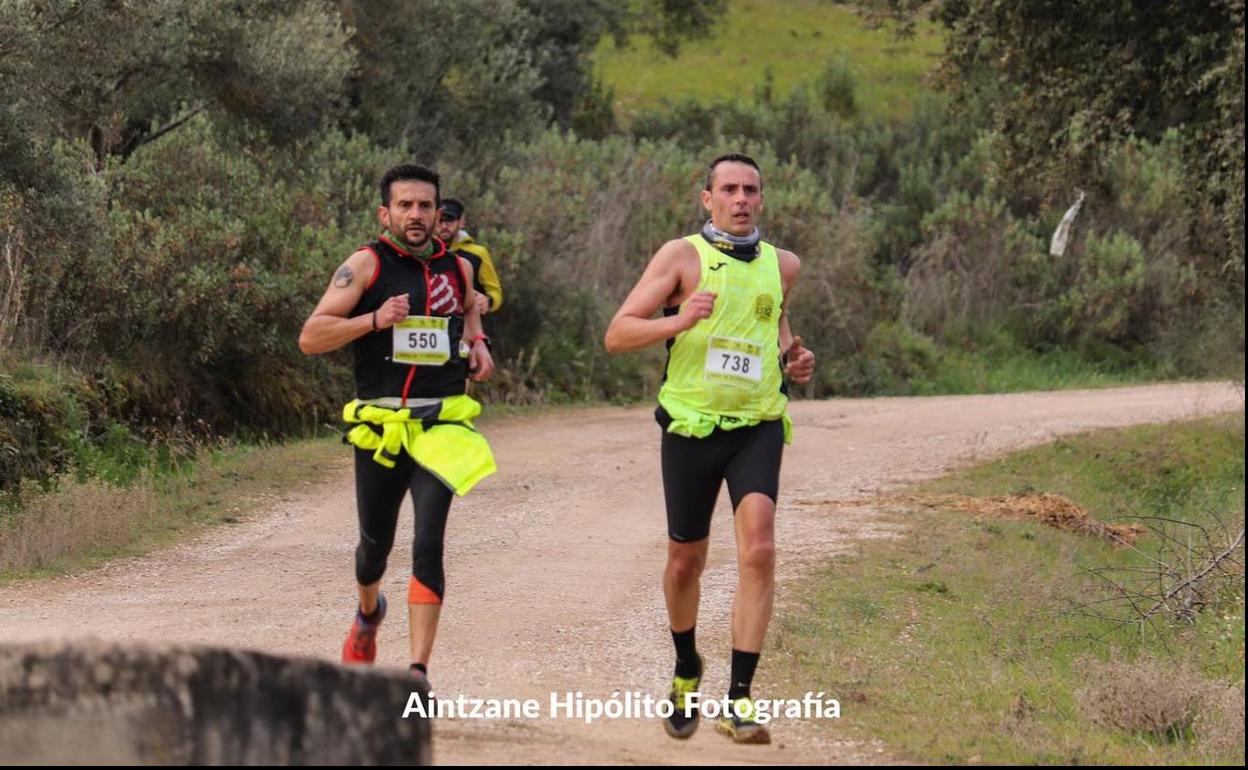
361 643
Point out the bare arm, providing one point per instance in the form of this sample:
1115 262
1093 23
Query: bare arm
329 328
800 364
633 326
790 267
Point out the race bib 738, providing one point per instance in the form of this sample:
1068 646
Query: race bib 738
733 360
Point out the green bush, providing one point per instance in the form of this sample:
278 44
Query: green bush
892 357
204 259
968 277
836 87
571 224
1108 284
42 415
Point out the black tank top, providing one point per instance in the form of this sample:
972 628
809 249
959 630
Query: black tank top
435 287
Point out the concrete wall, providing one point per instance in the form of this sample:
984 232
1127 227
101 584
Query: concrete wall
104 703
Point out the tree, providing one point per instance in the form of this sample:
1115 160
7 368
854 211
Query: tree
119 73
477 70
1075 77
433 74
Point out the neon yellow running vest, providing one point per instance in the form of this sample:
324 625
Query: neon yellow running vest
725 371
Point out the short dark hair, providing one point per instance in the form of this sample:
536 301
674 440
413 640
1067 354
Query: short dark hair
409 172
731 157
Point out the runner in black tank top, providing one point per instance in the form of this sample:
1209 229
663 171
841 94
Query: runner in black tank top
407 309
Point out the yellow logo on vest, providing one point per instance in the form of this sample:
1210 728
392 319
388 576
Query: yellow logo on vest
764 307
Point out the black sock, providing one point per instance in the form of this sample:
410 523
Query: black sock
421 667
688 664
743 665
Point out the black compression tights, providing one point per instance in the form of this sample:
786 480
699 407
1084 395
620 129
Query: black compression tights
378 492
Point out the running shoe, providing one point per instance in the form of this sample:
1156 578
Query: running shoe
678 725
741 725
361 643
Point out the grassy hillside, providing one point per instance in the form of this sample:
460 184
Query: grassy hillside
792 37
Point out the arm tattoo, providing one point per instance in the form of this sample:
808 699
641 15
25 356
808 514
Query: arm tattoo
344 276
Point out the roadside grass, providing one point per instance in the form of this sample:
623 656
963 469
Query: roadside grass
76 523
124 497
959 641
1017 371
791 39
896 361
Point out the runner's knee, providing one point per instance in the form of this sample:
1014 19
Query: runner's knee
757 554
686 564
370 561
379 492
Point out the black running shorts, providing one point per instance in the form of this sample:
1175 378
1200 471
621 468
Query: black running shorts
694 468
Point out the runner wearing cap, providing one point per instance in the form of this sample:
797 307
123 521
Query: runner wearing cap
452 221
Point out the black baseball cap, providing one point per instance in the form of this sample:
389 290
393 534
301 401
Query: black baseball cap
452 208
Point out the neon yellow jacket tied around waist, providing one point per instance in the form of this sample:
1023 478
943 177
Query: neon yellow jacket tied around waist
440 438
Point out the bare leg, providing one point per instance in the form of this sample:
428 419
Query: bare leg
424 627
756 572
682 582
368 597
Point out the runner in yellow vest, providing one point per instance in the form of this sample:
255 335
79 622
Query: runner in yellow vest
722 407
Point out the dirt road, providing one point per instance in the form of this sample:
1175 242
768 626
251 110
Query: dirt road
553 564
